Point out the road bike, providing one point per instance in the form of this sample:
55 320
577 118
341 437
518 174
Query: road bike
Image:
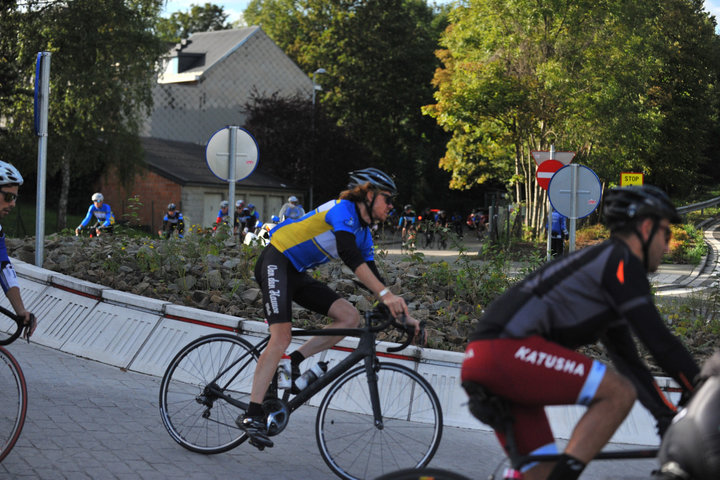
681 456
13 390
374 418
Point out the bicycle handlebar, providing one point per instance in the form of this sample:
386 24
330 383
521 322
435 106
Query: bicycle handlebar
25 330
382 312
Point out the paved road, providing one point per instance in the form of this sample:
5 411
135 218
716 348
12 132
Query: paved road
87 420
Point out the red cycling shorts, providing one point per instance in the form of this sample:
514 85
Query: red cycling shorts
531 373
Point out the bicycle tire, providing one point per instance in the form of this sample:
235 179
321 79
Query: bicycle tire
13 402
353 447
422 474
199 427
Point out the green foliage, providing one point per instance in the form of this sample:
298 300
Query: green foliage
378 55
181 25
104 54
621 83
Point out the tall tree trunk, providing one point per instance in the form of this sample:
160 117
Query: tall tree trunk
64 193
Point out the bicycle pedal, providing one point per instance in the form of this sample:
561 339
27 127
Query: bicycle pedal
260 444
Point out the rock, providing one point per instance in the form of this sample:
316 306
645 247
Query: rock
214 279
186 283
250 295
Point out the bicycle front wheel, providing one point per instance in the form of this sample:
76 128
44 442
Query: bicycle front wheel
13 402
191 404
350 442
423 474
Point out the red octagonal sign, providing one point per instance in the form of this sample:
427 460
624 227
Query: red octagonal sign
546 170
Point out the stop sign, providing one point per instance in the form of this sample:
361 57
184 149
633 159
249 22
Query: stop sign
546 170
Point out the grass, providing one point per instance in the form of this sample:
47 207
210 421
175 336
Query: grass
20 222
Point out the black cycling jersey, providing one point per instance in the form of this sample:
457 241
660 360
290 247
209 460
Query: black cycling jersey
598 293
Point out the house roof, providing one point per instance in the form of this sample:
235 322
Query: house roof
185 164
209 48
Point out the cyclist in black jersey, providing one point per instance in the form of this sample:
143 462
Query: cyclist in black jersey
172 222
524 346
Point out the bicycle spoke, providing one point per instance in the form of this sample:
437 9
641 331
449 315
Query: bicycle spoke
350 442
193 414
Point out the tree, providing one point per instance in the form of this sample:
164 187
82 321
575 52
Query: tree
181 25
379 59
104 54
289 133
594 77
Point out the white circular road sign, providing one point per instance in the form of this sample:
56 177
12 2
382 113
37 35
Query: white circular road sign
217 154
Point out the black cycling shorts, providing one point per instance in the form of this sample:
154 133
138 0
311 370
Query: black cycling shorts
281 284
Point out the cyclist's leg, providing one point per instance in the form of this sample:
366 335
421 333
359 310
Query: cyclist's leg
320 298
533 364
608 408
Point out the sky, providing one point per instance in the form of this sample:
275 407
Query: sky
234 8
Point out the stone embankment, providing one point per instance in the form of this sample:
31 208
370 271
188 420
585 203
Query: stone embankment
197 273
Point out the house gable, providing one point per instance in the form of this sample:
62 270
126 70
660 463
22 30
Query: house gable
207 83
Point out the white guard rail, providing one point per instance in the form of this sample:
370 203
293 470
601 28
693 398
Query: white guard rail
142 335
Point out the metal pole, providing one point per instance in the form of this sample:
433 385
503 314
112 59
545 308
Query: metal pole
232 148
44 100
573 203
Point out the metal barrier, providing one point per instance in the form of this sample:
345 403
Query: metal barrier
699 206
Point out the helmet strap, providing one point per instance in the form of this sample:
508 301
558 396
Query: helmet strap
646 243
369 206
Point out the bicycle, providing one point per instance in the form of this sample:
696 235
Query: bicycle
13 389
494 411
374 418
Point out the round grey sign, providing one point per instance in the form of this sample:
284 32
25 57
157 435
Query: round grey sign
575 191
217 154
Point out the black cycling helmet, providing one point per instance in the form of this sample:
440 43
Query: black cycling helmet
171 207
624 206
376 178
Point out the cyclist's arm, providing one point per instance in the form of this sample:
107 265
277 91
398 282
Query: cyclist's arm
9 283
623 353
87 218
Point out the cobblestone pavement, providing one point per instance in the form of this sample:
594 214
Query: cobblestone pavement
88 420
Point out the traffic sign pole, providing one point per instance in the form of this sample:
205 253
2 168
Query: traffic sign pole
573 207
232 149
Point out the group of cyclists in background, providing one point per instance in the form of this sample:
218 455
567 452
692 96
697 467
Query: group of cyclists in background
434 226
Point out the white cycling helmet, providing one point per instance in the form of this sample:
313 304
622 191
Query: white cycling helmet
239 203
224 204
293 199
9 175
98 197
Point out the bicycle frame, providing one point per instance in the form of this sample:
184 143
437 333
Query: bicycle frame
365 350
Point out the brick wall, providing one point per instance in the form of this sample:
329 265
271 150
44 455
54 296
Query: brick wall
154 192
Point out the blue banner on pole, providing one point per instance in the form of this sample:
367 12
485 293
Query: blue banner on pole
38 79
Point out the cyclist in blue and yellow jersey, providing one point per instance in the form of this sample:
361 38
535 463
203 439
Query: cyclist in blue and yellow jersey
524 348
337 229
102 213
10 181
223 216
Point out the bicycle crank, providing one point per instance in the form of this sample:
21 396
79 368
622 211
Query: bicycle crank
277 415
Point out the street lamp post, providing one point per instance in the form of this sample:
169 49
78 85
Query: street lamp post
316 87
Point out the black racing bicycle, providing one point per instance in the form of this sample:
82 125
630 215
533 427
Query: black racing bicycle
494 411
13 390
375 418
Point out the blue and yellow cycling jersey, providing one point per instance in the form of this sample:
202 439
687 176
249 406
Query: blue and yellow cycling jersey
103 215
310 240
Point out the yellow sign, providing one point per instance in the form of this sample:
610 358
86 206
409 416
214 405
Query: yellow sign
627 179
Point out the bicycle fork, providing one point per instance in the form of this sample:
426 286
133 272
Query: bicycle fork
371 368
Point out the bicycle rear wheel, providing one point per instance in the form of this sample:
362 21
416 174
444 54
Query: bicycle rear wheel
191 410
350 442
13 402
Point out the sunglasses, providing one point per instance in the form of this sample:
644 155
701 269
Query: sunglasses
668 233
9 196
388 198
